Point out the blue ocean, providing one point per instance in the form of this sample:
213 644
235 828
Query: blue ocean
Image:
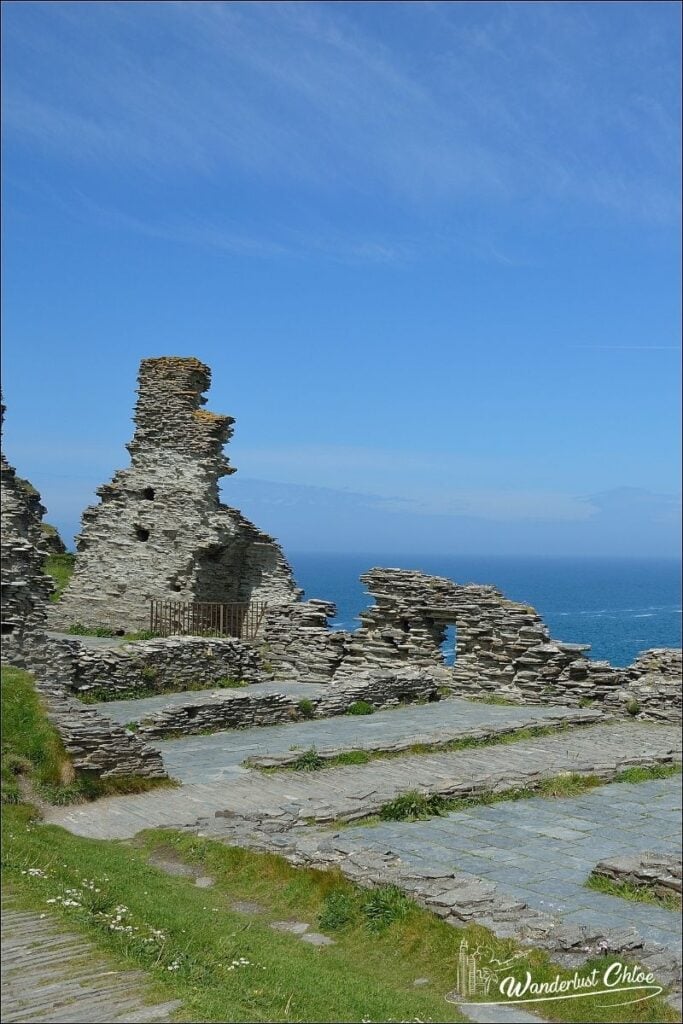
618 606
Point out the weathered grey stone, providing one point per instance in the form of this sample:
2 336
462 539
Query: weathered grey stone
94 743
25 587
174 663
160 531
660 872
232 709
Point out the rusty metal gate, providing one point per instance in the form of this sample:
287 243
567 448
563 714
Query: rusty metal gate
168 618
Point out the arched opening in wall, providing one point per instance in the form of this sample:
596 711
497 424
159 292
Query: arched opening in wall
449 645
141 533
148 494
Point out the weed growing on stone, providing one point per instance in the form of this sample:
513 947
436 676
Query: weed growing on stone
635 893
413 806
76 629
644 774
360 707
306 708
309 761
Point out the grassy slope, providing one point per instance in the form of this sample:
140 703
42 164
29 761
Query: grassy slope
61 568
32 749
187 938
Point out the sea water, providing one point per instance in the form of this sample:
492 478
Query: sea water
618 606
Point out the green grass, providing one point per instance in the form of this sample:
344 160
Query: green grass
61 568
32 751
306 708
634 893
30 744
360 707
416 806
383 941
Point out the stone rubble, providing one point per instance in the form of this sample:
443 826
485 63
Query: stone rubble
160 531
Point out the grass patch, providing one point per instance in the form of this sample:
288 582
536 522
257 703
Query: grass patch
645 774
309 761
61 568
30 744
33 751
360 707
634 893
493 699
306 708
229 966
416 806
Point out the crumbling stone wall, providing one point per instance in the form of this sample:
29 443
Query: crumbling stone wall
95 744
649 688
160 531
299 644
503 646
244 708
170 664
25 587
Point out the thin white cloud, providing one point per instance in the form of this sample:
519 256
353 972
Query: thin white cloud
513 102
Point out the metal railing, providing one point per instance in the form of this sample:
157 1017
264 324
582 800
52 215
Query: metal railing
168 618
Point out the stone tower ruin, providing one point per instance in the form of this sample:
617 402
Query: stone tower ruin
160 531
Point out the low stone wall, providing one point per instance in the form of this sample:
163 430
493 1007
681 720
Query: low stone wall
299 644
243 709
97 745
169 664
659 872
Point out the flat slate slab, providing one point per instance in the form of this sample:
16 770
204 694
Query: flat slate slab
52 975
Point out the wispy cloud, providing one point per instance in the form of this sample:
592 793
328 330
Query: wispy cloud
500 101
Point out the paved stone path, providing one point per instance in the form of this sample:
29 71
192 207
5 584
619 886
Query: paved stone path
542 851
351 792
51 975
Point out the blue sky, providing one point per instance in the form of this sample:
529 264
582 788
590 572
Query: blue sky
429 250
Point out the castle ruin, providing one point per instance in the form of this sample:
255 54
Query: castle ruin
160 531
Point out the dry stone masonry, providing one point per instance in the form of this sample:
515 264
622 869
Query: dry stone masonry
95 744
160 531
25 588
211 712
112 670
